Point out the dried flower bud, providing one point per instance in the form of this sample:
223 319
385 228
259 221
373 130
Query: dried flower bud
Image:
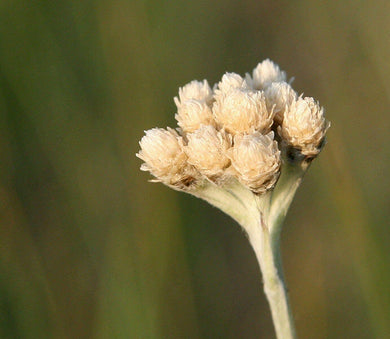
243 111
279 96
206 150
162 151
264 74
256 159
194 113
195 90
304 126
229 82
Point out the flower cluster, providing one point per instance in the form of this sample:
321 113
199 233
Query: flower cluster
234 131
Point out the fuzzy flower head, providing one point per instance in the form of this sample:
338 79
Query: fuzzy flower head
191 114
225 134
279 96
207 151
162 151
304 126
265 74
256 160
243 111
198 90
229 82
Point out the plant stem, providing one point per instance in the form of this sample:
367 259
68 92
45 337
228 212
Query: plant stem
267 250
264 236
262 217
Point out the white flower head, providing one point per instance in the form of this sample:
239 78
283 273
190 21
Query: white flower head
304 126
226 131
264 74
243 111
279 96
162 151
256 160
229 82
198 90
207 151
191 114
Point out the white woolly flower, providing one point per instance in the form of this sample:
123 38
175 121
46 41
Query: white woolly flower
304 126
229 81
195 90
243 111
264 74
162 151
206 150
192 114
279 96
225 153
256 159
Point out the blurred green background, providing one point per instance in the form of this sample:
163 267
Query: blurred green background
90 249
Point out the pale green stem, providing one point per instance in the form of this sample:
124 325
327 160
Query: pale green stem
284 193
262 217
266 247
233 199
264 236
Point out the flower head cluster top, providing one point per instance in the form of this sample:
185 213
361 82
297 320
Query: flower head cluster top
235 130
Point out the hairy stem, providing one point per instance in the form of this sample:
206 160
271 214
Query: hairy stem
262 217
264 236
267 250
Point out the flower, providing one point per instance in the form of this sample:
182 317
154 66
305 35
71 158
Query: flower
207 151
279 96
191 114
264 74
243 111
229 82
195 90
225 151
304 126
229 131
162 151
256 160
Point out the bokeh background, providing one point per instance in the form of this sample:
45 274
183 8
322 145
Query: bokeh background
90 249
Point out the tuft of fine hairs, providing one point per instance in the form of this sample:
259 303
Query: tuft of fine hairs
228 132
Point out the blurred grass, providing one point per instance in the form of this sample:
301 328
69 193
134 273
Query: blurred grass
88 248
